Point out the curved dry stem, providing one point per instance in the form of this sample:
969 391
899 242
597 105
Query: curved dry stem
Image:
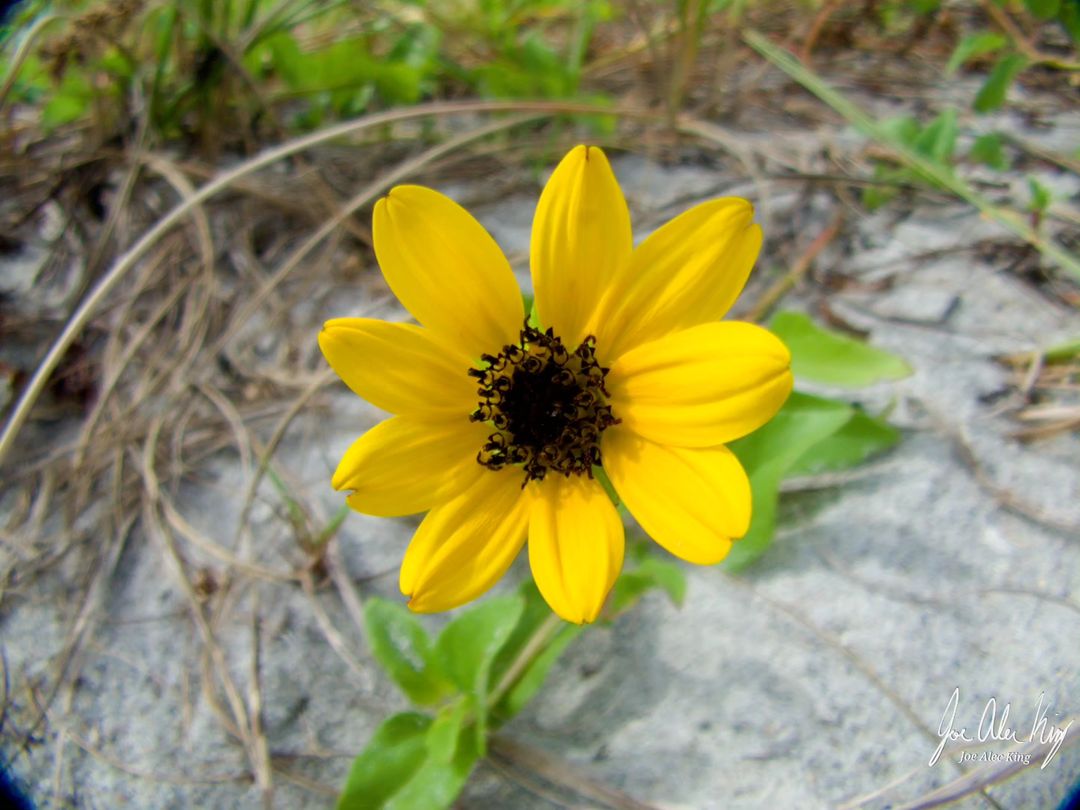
366 196
109 280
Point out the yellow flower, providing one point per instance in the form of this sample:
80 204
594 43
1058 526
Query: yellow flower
498 424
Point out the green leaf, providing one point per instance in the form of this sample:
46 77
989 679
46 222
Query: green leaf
1063 352
398 642
668 576
770 453
938 140
653 572
468 646
63 109
1043 9
975 45
69 102
392 757
1069 17
904 129
412 763
628 589
830 357
875 196
992 94
436 785
988 150
443 735
1040 196
861 437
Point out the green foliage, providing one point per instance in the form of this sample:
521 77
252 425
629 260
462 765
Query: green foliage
1043 9
861 437
936 142
68 102
992 94
944 176
1014 56
419 761
809 434
1041 197
220 70
392 757
1069 17
769 453
973 46
468 647
412 763
400 643
826 356
649 573
988 149
1063 352
485 666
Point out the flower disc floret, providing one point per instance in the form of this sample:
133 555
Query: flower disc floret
548 406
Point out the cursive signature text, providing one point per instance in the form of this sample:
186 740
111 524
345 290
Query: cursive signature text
994 725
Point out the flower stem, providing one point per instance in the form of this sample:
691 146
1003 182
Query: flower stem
532 649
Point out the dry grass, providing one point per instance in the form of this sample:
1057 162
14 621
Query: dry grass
156 366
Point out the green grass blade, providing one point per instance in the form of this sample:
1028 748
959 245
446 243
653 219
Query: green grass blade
939 173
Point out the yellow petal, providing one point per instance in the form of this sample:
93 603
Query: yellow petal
702 386
398 367
406 465
580 240
689 271
463 546
446 270
575 545
690 501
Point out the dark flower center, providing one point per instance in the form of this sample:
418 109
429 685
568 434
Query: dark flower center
547 406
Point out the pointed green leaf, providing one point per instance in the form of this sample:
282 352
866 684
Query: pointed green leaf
861 437
938 140
436 785
975 45
992 94
398 642
412 763
829 357
392 757
769 453
1040 196
444 733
